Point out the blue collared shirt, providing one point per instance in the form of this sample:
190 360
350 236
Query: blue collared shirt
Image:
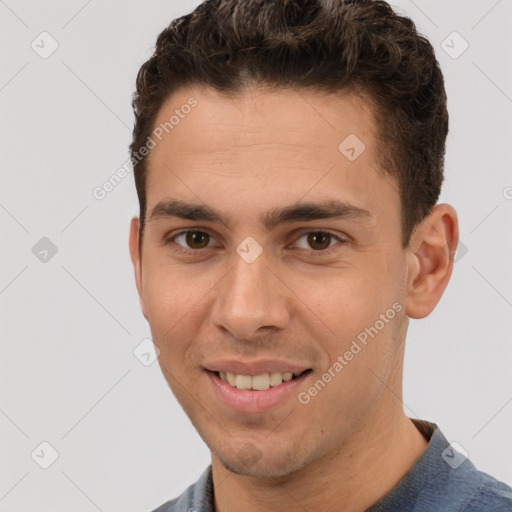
441 480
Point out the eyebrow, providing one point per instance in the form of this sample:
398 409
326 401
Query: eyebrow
328 209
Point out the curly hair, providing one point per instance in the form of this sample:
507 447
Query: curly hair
323 45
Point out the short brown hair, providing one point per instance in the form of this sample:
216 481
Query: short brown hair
324 45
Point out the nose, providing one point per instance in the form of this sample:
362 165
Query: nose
250 299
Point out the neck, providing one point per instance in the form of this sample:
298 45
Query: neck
351 478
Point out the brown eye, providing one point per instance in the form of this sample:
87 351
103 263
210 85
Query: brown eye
319 240
190 241
196 239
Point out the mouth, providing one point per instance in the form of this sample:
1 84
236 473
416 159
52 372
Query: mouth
260 382
255 393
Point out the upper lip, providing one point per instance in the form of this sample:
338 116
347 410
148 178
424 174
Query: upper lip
254 367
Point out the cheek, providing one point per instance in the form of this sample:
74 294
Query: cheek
352 381
171 303
343 301
356 316
169 290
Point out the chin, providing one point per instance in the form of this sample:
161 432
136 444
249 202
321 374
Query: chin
251 461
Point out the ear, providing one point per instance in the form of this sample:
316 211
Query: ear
430 260
136 257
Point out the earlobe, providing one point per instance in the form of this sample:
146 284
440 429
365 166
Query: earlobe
430 258
135 256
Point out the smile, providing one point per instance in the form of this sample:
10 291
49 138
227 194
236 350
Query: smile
255 393
257 382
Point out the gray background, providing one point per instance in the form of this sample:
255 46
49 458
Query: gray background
70 323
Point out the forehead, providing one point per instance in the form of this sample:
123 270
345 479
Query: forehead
264 116
262 143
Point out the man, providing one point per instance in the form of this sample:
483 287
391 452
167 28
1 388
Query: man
288 158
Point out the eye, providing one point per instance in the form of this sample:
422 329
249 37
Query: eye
192 240
319 241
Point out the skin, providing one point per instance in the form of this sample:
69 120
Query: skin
245 155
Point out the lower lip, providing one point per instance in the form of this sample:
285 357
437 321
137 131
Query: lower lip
242 400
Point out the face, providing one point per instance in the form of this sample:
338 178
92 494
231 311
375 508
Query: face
288 261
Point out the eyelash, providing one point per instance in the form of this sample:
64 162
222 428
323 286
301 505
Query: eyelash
196 252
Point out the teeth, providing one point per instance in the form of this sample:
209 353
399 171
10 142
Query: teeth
257 382
276 379
243 381
261 382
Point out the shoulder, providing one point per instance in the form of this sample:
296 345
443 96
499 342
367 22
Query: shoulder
454 484
443 479
469 490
